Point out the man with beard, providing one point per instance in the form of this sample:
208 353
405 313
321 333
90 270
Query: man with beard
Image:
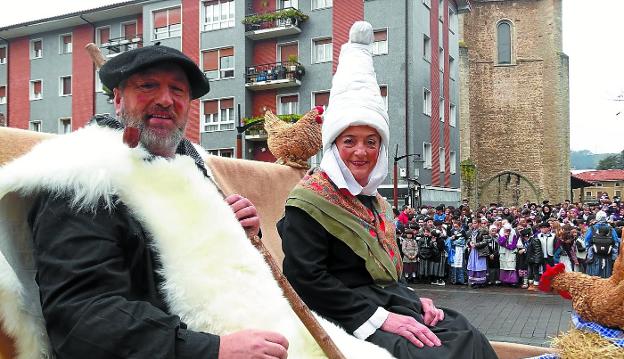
101 283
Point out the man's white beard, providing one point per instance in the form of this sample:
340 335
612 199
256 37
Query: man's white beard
154 143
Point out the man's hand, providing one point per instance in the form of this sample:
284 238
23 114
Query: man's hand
245 212
252 344
431 314
410 329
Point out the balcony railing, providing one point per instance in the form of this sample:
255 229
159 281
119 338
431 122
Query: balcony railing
283 22
122 44
274 75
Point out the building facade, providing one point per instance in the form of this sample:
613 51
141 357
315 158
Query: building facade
259 54
515 93
603 182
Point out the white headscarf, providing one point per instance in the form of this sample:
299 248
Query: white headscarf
355 100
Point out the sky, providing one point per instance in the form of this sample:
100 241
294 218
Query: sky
591 38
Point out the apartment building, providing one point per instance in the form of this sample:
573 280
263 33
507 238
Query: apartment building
259 54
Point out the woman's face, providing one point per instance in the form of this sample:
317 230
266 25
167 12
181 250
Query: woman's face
359 149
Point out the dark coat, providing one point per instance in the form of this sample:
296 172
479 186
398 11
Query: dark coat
99 287
481 244
333 281
535 254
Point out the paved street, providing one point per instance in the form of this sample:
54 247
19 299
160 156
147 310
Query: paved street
505 314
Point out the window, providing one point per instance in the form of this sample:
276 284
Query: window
129 30
453 160
218 14
3 95
103 35
218 115
427 102
65 86
321 4
503 31
441 10
451 67
322 50
36 90
618 193
218 64
3 55
167 23
288 105
441 109
223 152
35 126
321 99
288 51
453 114
36 49
65 125
588 193
384 95
380 45
442 160
283 4
66 44
597 184
452 20
441 59
427 155
617 184
426 48
427 3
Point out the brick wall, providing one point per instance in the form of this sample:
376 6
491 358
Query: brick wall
19 81
190 46
519 117
83 77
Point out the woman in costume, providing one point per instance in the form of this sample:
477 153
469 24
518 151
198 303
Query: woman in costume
338 233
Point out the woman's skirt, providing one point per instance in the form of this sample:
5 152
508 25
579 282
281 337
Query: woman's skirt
508 276
477 268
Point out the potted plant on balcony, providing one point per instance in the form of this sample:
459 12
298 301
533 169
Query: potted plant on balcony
292 62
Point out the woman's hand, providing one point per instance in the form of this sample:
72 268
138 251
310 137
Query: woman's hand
245 212
431 314
410 329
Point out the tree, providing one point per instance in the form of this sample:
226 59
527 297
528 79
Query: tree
615 161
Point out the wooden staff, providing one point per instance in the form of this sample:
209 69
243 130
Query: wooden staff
299 307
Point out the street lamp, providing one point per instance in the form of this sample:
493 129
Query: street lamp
397 158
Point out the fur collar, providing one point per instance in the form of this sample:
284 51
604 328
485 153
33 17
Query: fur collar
210 267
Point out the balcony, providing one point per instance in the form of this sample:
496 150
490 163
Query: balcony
121 44
274 76
283 22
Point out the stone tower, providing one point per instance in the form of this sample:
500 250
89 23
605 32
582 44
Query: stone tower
514 94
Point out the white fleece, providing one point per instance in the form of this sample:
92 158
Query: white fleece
215 280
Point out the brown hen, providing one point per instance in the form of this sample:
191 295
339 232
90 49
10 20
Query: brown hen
594 299
294 143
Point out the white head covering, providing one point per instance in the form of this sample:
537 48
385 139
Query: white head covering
601 216
355 100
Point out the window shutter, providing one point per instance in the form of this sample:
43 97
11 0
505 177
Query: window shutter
130 31
2 91
175 16
37 86
211 107
384 91
227 103
321 99
381 35
104 35
160 19
228 51
323 41
288 50
288 99
210 60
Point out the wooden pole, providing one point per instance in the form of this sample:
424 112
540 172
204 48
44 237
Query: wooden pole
299 307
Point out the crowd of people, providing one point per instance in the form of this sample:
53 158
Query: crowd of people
496 245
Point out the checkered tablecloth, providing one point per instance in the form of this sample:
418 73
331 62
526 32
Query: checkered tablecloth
615 336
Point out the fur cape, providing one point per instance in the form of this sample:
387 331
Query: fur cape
209 265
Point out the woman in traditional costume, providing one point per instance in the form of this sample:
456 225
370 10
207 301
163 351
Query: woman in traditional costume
338 234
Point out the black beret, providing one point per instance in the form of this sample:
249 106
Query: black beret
544 225
124 65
